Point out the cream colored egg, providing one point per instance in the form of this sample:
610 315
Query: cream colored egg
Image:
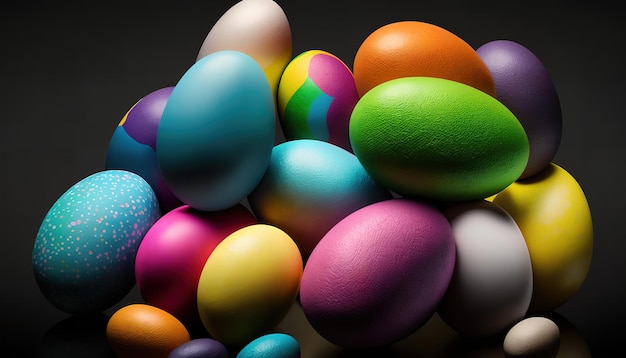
533 337
492 284
258 28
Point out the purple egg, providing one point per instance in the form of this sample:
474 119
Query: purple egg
142 120
200 348
379 274
133 145
525 87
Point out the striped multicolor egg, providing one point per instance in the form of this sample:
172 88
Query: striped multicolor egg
316 95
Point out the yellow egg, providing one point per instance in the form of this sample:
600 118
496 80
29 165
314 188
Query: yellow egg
552 212
249 283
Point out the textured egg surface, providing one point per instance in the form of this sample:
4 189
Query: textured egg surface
249 283
142 331
379 274
173 252
84 253
316 95
309 186
552 212
217 131
133 145
438 139
492 282
524 85
275 345
200 348
258 28
532 337
416 48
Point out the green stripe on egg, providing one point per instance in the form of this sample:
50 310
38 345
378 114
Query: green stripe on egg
438 139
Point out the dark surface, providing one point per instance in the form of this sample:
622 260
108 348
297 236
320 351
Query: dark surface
69 71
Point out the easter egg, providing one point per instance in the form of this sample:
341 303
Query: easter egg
139 330
378 274
84 253
309 186
532 337
217 131
316 95
249 283
524 85
275 345
438 139
492 283
552 212
133 145
173 252
258 28
200 348
416 48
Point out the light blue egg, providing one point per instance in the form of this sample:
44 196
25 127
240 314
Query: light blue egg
273 345
217 131
309 186
84 253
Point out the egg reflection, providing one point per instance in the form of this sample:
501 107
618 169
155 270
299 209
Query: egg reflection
77 336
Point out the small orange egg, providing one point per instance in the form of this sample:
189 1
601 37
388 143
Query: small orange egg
415 48
140 330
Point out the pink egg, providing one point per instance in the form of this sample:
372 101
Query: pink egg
378 274
173 252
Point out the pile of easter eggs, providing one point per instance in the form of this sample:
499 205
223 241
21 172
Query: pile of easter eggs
419 182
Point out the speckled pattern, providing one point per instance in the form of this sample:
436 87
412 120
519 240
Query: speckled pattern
84 252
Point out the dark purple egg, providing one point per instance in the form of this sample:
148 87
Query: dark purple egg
525 87
200 348
133 145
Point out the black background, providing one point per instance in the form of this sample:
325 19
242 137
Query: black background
70 70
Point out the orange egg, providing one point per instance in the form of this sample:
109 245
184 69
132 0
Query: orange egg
414 48
140 330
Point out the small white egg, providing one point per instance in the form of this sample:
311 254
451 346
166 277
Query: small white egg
533 337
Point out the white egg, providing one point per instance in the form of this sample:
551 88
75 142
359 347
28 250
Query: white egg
491 287
258 28
532 337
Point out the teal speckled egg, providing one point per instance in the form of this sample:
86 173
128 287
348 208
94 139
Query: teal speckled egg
84 253
275 345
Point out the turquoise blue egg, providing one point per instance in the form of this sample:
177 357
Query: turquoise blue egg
217 131
275 345
309 186
84 252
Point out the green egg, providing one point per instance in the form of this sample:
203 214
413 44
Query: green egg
437 139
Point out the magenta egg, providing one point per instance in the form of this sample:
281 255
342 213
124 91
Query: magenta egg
173 252
378 274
